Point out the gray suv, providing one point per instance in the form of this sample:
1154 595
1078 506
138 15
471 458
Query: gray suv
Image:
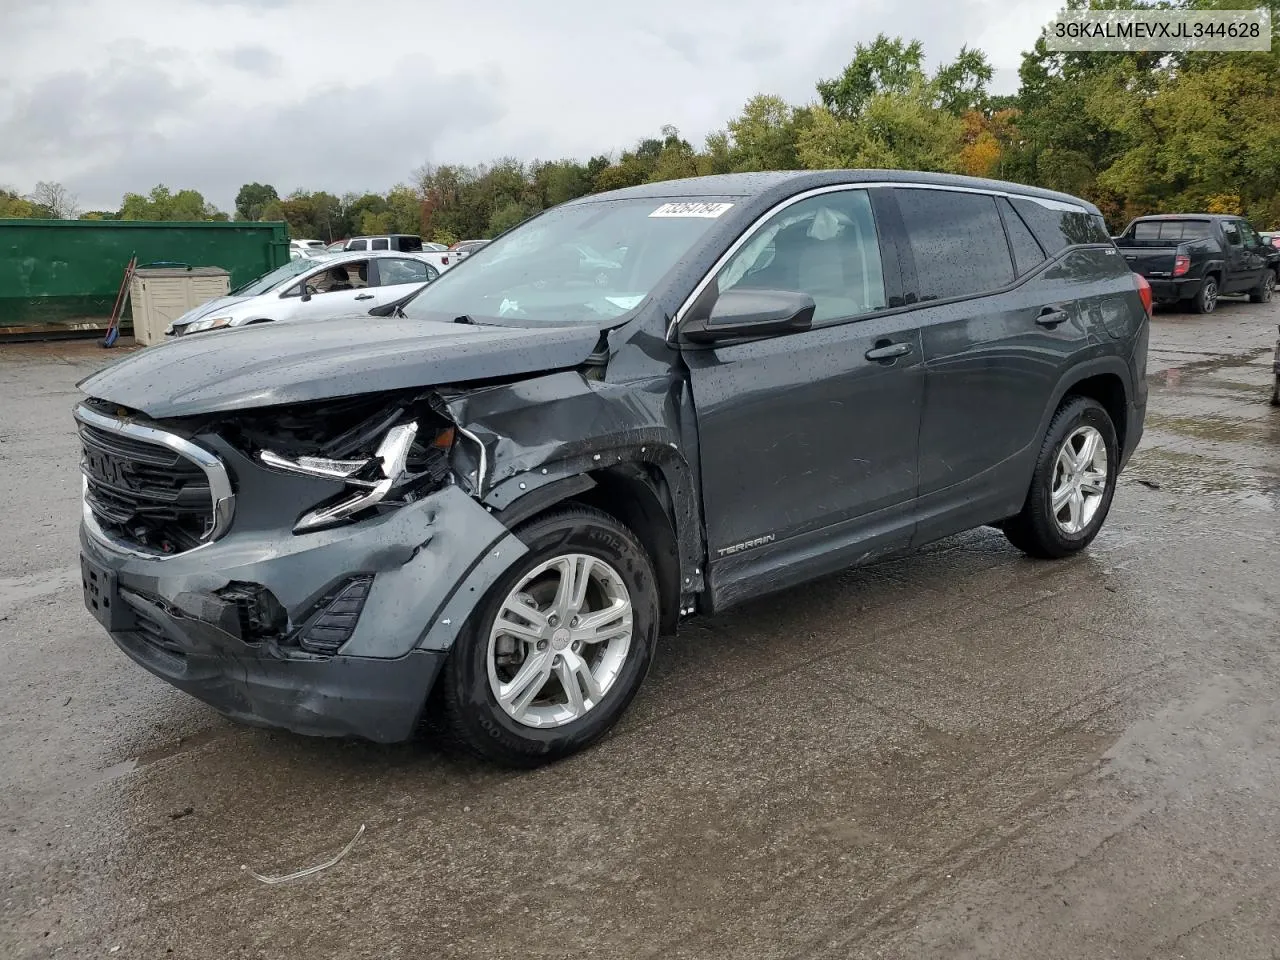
484 505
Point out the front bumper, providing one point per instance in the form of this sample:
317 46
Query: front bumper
379 700
429 563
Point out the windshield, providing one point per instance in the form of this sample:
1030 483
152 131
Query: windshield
583 263
269 280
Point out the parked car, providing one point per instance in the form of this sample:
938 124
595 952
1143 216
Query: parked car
305 248
465 248
1195 258
338 246
1275 366
407 243
494 501
1271 237
312 288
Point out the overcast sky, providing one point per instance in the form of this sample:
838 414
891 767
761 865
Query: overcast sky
109 97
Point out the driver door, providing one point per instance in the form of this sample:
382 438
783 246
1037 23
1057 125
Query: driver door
808 441
336 297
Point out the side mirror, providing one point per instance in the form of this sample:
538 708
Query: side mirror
753 313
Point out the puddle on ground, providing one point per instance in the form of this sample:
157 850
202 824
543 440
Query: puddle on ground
1210 427
1179 471
1187 373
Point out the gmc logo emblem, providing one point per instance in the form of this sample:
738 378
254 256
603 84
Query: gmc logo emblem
107 469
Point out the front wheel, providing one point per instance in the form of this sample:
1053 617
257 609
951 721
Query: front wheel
559 646
1073 484
1262 293
1207 299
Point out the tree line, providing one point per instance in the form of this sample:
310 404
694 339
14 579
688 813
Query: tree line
1135 133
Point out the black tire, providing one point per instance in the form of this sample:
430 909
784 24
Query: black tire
1265 288
1206 299
1035 530
471 715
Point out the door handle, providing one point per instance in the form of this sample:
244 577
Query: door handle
889 351
365 296
1051 317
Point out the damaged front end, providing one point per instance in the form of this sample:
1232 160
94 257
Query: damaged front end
287 564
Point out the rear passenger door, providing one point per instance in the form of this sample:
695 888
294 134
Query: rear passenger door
1241 275
1253 254
997 324
393 277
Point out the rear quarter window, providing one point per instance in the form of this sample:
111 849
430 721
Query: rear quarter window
1058 229
1027 254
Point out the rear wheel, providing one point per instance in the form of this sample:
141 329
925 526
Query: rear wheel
559 646
1263 291
1073 484
1207 299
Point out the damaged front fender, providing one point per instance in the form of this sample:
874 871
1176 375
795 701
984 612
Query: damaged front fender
539 435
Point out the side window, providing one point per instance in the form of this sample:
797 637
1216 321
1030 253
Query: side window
825 246
1232 232
346 276
357 245
379 244
1057 229
1250 238
957 242
393 271
1027 254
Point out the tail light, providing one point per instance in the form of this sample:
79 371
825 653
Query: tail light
445 259
1144 291
1181 264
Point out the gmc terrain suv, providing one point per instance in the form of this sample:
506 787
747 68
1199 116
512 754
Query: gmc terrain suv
486 506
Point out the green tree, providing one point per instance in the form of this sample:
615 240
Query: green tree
764 136
163 204
404 210
13 206
252 200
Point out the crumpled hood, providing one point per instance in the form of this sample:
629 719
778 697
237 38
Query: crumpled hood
270 364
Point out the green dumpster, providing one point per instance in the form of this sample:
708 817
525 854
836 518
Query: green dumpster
60 276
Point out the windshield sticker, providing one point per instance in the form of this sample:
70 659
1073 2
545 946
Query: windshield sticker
626 303
710 210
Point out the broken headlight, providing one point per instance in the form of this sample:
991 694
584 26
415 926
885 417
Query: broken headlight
403 459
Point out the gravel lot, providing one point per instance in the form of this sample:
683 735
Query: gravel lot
963 753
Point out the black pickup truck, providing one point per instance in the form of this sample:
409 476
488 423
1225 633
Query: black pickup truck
1194 258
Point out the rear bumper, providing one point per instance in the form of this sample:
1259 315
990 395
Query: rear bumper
379 700
1168 291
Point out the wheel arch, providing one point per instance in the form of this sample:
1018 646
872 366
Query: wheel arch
635 493
1104 379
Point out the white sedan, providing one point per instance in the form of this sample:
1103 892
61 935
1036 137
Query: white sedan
313 288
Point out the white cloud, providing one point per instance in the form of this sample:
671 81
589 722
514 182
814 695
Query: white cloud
326 94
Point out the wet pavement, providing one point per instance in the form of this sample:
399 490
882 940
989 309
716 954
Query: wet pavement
963 753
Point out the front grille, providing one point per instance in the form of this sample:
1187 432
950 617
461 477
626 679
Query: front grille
143 493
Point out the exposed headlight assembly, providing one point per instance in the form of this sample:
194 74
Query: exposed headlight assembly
209 323
398 468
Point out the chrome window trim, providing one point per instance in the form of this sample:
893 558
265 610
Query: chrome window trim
777 208
220 490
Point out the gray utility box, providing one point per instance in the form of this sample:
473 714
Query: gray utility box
160 295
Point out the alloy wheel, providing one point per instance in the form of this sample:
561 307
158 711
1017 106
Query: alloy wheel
1079 479
559 641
